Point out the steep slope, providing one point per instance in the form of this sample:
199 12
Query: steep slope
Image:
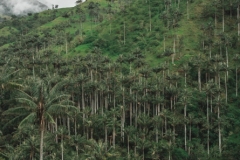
153 79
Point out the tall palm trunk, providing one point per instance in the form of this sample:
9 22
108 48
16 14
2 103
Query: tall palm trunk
207 127
83 108
106 139
223 19
238 20
227 59
150 17
185 127
199 78
41 142
62 146
236 81
226 89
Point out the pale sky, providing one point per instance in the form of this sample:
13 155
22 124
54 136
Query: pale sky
61 3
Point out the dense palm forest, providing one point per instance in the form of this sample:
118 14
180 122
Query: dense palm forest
122 79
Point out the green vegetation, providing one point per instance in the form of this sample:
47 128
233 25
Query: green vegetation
122 80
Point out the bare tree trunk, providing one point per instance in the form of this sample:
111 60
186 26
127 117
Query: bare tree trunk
174 50
226 90
215 18
128 145
56 128
199 79
190 138
106 139
83 108
150 18
208 128
130 108
68 125
66 46
227 59
114 134
164 45
223 19
236 81
62 146
124 36
185 127
238 20
219 133
41 142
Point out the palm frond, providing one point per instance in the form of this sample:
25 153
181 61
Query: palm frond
30 118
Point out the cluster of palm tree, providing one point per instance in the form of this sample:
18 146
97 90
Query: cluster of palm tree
52 106
55 106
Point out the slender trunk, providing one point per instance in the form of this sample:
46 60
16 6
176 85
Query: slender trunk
190 138
62 146
238 20
106 140
68 125
114 134
150 18
91 133
124 36
77 151
56 129
66 46
227 60
164 48
219 126
236 81
174 50
128 144
41 142
199 78
185 127
215 18
130 108
75 126
219 132
226 90
207 128
83 109
223 10
143 152
169 151
185 79
210 51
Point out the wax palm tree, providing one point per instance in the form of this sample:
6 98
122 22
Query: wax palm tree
97 150
77 142
210 90
6 74
113 123
38 101
198 62
129 130
185 69
185 97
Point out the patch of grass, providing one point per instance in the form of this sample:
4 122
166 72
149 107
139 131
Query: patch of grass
6 31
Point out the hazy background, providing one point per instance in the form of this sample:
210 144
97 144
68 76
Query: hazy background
22 7
17 7
61 3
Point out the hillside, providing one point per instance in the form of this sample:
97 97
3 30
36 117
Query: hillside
122 80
